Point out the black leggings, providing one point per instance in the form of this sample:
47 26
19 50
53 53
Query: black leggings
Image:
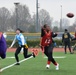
48 50
67 43
25 52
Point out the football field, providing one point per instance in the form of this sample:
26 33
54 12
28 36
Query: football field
37 66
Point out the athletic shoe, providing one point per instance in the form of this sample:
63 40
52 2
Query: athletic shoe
17 63
57 67
65 52
71 52
33 55
47 66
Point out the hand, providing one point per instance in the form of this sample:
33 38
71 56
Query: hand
26 46
40 44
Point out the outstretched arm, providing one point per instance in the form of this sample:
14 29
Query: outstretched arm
13 42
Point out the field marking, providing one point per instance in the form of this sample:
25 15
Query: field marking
10 57
14 64
58 57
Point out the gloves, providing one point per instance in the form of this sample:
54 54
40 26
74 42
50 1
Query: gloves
26 46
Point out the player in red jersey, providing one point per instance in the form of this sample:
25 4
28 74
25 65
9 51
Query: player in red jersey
46 43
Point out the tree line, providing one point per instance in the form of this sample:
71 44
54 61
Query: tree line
26 22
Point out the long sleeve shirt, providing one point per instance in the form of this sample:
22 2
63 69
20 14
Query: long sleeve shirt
20 38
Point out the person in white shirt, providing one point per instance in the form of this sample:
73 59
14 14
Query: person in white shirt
22 45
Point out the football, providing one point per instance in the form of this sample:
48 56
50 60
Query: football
70 15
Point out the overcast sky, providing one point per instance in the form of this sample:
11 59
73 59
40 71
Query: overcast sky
52 6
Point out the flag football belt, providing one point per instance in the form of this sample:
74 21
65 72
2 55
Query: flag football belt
26 46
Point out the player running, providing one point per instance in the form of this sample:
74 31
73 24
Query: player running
46 43
22 45
3 46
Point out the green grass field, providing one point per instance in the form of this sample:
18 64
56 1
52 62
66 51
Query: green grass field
36 66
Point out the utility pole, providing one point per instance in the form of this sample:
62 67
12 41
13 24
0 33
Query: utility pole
37 27
16 10
61 19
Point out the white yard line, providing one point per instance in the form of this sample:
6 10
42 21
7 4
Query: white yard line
14 64
10 57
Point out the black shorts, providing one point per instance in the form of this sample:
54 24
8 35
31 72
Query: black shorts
67 43
48 49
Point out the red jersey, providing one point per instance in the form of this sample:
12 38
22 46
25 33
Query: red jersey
75 34
46 39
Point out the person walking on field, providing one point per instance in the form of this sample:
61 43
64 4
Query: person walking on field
66 37
47 46
22 45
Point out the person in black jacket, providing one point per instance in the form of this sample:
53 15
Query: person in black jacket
66 40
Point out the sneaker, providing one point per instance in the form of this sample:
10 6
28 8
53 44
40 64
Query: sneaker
57 67
33 55
71 52
17 63
47 66
35 52
65 52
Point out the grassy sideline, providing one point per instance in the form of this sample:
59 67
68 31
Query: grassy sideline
36 66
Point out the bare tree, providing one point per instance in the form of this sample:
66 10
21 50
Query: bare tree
55 29
4 17
12 23
44 17
24 17
25 22
65 23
